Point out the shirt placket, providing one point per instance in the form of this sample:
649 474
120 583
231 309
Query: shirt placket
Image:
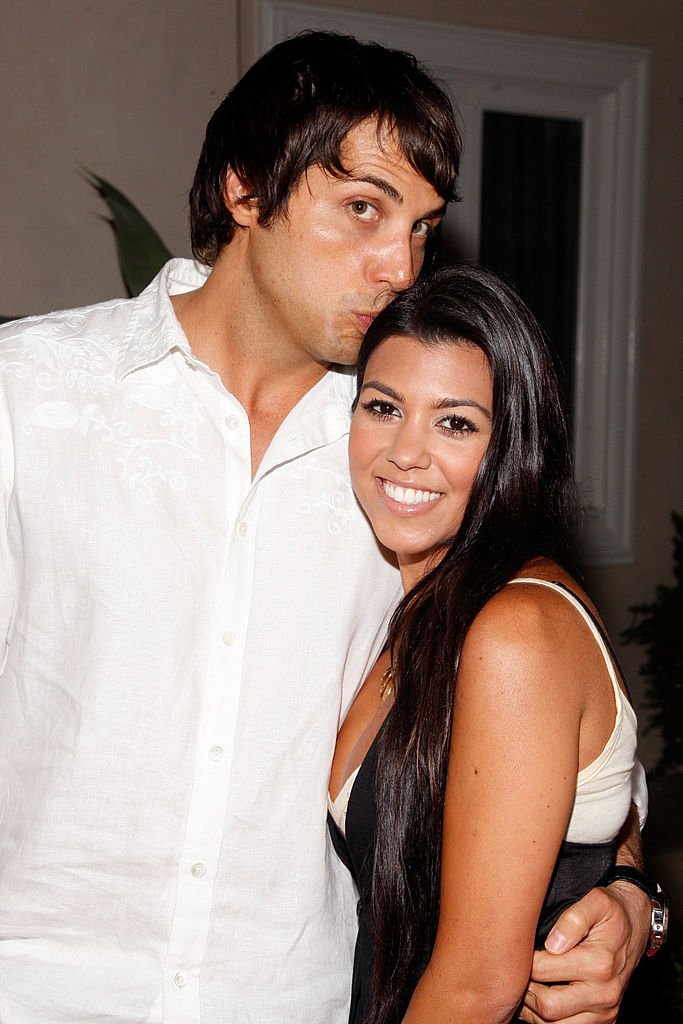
216 734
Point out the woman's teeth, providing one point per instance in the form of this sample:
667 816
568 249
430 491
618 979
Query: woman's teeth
409 495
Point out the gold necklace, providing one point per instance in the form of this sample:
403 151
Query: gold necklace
386 683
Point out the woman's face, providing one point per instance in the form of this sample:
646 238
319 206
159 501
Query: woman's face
421 427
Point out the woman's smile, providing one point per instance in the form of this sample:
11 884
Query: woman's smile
410 500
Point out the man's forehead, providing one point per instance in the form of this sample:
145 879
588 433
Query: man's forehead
372 152
372 141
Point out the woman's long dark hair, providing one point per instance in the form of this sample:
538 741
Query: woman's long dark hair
522 506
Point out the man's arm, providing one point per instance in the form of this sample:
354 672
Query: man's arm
6 472
593 949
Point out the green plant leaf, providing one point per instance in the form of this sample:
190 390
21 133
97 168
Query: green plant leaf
141 251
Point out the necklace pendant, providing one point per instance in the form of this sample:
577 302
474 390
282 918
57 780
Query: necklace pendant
386 683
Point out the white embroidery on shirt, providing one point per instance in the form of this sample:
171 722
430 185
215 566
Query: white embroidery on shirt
82 367
336 495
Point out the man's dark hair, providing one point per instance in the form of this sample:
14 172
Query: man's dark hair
294 108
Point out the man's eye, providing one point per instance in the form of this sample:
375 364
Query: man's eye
422 228
362 209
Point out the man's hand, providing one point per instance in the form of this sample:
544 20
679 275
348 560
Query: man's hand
591 952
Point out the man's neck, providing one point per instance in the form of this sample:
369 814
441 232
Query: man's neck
226 334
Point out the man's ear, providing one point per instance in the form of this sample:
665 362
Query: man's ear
239 201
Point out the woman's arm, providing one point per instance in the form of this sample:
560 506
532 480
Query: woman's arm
511 786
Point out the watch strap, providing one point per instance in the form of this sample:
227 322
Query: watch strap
659 905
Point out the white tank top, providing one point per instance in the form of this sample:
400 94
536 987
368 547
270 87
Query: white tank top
603 788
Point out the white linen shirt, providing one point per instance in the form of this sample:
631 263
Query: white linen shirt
178 644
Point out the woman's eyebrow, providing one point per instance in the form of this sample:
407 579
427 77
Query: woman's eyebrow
454 403
443 403
384 389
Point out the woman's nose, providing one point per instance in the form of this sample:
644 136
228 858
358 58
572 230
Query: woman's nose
409 448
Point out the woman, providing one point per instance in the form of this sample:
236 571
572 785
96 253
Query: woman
488 754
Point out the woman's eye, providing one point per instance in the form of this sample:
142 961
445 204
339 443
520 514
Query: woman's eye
457 425
381 410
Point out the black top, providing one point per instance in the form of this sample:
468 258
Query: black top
579 867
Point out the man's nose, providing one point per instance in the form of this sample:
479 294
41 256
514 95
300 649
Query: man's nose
394 265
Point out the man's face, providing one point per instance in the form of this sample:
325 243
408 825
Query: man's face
321 272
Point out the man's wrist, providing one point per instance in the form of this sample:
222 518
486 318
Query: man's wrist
656 897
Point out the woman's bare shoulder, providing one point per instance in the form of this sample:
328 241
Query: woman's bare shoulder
529 641
525 615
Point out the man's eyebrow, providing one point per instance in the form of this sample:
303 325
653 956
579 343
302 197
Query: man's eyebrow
439 211
381 183
456 403
384 389
385 186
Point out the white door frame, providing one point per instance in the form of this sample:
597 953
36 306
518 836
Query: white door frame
605 87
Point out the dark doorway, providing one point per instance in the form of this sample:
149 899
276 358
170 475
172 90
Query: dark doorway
530 207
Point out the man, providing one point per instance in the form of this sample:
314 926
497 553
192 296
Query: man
189 595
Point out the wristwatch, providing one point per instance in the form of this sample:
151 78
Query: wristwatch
659 905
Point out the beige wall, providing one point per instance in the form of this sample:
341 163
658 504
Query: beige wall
125 88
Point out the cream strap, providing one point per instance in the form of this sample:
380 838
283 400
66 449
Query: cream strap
344 791
340 805
587 615
621 696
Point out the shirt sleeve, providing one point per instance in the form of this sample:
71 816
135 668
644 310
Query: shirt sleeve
639 792
6 584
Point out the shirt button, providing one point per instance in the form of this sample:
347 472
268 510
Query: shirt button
229 638
216 753
180 980
198 870
232 422
242 529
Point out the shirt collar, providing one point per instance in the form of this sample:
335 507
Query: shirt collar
153 330
320 418
324 413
